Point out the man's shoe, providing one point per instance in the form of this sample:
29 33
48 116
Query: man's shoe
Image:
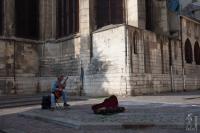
66 105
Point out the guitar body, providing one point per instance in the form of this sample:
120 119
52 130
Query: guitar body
58 94
61 87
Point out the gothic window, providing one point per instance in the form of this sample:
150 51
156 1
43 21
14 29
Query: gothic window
1 17
131 50
188 52
149 14
67 17
188 26
27 18
109 12
196 31
197 53
175 50
147 57
133 39
162 58
135 42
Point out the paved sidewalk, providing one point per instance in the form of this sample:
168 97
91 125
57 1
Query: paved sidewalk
152 114
137 115
170 98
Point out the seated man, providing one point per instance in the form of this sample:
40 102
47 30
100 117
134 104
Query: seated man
57 88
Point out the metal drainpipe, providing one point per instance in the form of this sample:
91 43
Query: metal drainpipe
126 50
14 72
171 67
126 41
172 80
52 18
183 66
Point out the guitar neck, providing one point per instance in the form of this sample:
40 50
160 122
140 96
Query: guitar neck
64 80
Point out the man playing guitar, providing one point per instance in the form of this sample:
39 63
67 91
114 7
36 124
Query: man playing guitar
57 88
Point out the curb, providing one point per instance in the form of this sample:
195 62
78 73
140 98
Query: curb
80 125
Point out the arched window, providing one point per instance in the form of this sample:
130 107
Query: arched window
188 52
149 15
176 50
133 39
27 18
67 17
162 57
109 12
197 53
135 42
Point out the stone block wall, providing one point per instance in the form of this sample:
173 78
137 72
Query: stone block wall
106 72
155 67
6 58
29 67
61 57
191 31
150 63
19 66
163 69
6 67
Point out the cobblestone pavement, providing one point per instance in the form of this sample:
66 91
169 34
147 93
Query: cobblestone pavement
147 114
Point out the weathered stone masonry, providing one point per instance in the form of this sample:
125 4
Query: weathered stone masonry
121 57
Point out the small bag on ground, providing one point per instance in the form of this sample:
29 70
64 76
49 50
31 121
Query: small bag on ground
46 102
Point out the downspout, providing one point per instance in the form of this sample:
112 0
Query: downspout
126 41
183 66
170 57
52 19
171 66
125 29
14 55
14 72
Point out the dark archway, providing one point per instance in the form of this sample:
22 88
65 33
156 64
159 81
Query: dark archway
1 17
197 53
109 12
149 15
135 42
188 52
67 17
27 18
133 39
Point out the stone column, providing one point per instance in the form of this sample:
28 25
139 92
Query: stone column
85 32
47 19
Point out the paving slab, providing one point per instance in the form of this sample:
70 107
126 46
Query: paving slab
12 130
137 115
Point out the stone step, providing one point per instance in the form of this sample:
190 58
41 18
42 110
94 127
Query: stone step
19 104
12 97
17 101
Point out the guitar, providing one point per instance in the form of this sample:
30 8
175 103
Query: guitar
61 87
